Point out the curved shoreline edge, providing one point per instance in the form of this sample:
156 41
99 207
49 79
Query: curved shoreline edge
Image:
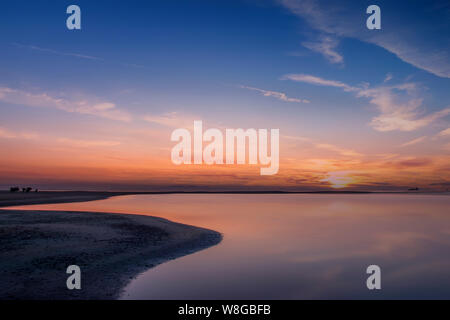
111 249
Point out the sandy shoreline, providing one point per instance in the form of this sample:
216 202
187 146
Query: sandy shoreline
110 248
8 199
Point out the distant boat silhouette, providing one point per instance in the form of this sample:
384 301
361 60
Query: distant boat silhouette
413 189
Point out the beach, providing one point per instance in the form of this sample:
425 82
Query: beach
110 249
42 197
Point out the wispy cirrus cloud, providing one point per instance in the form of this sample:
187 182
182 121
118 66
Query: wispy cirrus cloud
400 107
60 53
172 120
326 46
325 146
388 77
8 134
88 143
413 142
75 55
421 44
319 81
339 150
102 109
444 133
275 94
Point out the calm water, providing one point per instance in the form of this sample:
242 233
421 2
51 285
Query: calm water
297 246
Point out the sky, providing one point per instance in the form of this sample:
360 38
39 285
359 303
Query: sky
94 109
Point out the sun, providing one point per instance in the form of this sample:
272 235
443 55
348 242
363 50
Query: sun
339 180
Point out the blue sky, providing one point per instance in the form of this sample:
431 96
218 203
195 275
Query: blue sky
229 62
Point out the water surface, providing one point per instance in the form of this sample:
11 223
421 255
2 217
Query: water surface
297 246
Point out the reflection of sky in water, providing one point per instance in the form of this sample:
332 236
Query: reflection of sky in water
298 246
